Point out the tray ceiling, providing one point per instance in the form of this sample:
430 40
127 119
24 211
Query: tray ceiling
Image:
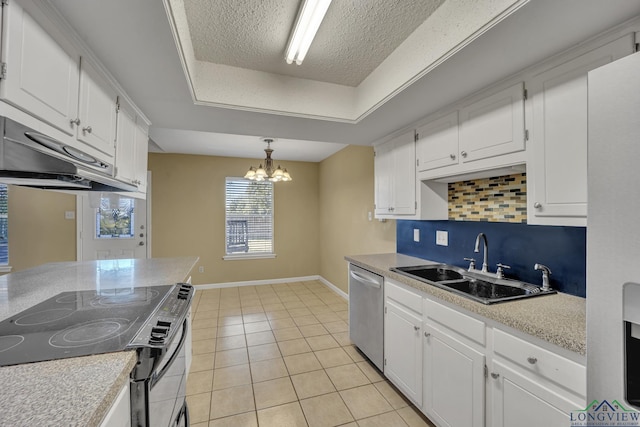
233 52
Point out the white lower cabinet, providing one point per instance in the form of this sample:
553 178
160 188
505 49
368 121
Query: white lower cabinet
462 371
524 402
454 383
119 414
403 343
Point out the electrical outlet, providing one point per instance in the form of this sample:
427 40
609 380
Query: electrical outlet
69 215
442 238
416 235
200 269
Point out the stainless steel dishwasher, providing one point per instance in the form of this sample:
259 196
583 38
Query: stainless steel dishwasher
366 317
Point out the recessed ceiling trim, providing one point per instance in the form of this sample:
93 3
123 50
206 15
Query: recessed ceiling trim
452 27
182 39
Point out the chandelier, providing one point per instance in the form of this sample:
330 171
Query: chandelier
268 172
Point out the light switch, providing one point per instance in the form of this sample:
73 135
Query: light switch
416 235
442 238
69 215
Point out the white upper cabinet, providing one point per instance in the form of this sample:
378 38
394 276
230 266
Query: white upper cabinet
141 155
395 177
97 112
53 83
132 145
437 143
41 73
557 172
125 146
493 126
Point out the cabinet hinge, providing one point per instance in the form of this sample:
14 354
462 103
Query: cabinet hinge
117 104
417 162
636 41
3 71
526 134
385 361
416 204
416 137
486 371
525 94
385 310
5 2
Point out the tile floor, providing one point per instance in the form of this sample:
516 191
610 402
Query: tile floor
279 355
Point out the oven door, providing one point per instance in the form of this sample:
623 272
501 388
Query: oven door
160 401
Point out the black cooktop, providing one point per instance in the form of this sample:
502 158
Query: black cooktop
77 323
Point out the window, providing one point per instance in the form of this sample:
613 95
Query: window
249 218
4 225
115 218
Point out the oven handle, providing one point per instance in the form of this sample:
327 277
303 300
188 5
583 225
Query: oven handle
183 414
166 367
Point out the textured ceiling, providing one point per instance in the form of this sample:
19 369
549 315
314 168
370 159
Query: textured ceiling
353 39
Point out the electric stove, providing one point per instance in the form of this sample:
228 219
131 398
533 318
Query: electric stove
79 323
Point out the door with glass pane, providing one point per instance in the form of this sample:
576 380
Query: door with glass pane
113 227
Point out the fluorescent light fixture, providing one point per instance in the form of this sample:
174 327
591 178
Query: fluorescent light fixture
309 18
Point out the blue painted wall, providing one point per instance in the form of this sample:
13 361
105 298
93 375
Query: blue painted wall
562 249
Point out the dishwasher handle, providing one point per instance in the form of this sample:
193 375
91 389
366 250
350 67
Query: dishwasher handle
365 280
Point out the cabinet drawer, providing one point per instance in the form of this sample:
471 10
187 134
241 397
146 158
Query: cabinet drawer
399 293
540 361
462 324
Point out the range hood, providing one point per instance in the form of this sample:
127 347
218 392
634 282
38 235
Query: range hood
32 159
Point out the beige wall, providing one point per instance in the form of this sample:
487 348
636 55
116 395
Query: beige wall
346 198
188 217
321 216
38 230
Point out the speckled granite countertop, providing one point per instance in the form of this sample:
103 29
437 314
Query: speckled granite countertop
559 319
66 392
77 391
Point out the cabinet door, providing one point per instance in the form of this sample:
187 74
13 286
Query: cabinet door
493 126
454 383
437 143
395 177
520 401
97 111
403 350
125 146
404 184
558 172
141 157
383 178
42 75
119 414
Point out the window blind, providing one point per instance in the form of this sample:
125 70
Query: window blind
249 216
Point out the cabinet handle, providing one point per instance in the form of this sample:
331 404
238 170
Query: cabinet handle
532 360
75 121
417 328
537 205
453 156
494 375
463 154
427 334
87 129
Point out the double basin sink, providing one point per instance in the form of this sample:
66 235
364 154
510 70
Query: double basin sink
475 285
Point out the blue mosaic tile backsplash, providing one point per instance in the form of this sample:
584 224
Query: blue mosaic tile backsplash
562 249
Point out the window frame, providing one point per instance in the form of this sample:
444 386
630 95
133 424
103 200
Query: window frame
248 255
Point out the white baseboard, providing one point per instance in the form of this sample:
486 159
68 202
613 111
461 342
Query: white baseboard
324 281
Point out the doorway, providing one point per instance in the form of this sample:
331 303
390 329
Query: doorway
112 226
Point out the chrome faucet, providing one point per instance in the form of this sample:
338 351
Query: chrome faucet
485 266
545 275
